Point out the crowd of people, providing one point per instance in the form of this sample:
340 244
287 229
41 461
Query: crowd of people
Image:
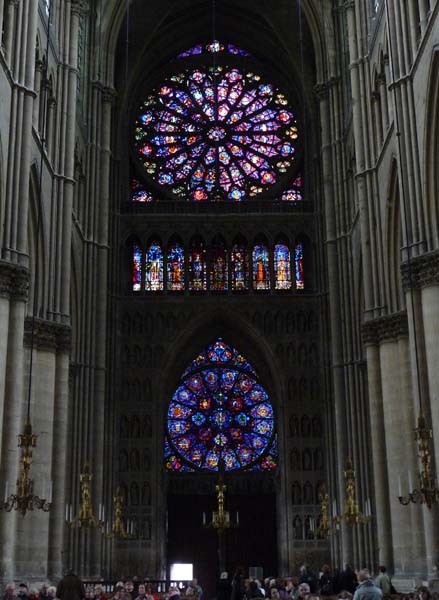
327 585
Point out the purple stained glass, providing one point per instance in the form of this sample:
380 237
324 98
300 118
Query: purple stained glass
219 412
282 267
197 267
154 268
213 47
215 134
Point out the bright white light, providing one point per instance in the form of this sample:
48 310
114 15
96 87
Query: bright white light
182 572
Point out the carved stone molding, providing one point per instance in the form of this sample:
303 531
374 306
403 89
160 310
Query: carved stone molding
425 271
14 281
385 328
48 335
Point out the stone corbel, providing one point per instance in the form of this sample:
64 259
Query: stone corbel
79 7
48 335
390 327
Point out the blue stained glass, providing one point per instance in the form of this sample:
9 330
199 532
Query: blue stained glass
154 268
136 268
261 268
176 268
282 267
220 412
300 272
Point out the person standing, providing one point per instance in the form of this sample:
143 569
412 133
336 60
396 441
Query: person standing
70 587
383 581
367 590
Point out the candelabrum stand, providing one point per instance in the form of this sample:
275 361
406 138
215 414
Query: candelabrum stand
118 530
221 520
24 499
352 514
428 493
85 519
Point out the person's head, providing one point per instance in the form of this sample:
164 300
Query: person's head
274 593
303 569
51 591
10 589
99 590
224 575
129 586
148 588
173 591
304 590
22 590
194 582
424 593
344 595
326 569
118 590
363 575
43 589
142 590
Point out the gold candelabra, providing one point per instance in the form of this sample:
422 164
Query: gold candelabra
85 519
324 529
352 514
118 530
24 499
221 517
428 493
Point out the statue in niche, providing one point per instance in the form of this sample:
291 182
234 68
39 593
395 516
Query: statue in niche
309 535
145 530
135 426
296 492
123 460
294 426
318 459
146 494
308 493
146 426
123 488
317 429
298 528
146 460
295 459
307 460
123 427
134 494
135 460
305 426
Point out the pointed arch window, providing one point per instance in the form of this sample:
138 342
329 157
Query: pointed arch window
197 266
219 268
300 270
136 268
239 266
282 267
261 267
154 267
220 412
175 267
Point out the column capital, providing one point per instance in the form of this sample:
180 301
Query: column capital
48 335
387 328
425 271
14 281
79 7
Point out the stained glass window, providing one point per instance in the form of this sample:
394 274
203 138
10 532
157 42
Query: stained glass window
175 268
154 268
213 47
217 133
219 268
261 268
239 267
139 193
282 267
294 193
197 266
220 411
137 268
300 272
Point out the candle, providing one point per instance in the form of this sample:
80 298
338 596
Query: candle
67 512
204 518
6 491
410 482
237 517
100 512
399 487
50 491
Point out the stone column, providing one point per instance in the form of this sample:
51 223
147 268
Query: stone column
377 430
